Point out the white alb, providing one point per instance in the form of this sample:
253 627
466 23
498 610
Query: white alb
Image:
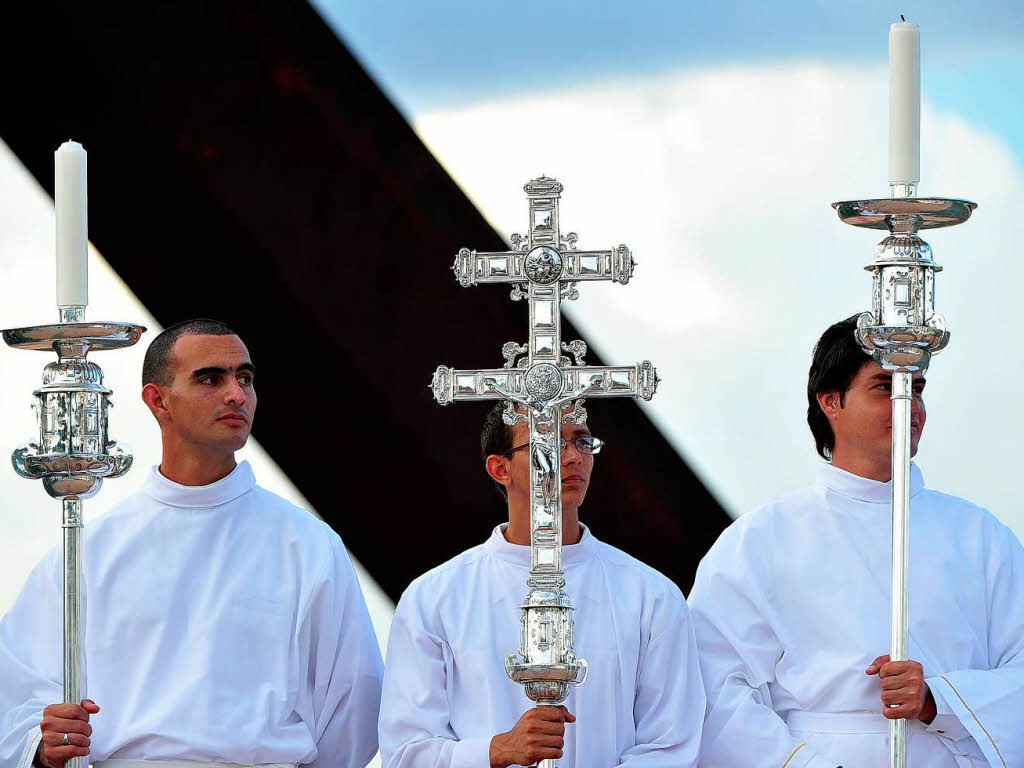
792 604
222 625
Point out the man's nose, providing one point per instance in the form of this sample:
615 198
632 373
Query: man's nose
234 394
570 453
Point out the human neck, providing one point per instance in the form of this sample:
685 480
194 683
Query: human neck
518 530
872 468
194 465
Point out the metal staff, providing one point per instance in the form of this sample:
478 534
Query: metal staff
74 452
901 332
538 383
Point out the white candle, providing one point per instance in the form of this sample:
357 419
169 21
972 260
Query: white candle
71 201
904 103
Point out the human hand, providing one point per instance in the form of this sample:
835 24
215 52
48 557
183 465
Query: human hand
539 735
904 691
66 732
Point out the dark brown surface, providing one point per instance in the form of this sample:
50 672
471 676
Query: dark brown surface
273 186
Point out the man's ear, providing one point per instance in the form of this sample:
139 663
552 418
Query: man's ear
497 469
830 403
154 400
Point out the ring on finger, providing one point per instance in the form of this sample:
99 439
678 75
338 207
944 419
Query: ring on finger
65 742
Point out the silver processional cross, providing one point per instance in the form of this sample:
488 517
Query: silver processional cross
538 382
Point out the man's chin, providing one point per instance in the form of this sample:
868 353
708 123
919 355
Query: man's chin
572 497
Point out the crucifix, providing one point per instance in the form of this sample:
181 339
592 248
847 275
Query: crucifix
544 387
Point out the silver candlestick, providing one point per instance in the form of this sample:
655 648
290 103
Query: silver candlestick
538 384
901 332
74 453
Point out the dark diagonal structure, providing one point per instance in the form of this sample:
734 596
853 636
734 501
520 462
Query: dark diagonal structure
272 184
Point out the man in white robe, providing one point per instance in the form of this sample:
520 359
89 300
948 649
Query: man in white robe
447 701
223 624
792 606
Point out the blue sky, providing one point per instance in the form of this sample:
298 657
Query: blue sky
733 126
431 55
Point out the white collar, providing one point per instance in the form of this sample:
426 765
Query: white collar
519 554
862 488
240 481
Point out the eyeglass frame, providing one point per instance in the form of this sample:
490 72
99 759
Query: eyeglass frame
563 444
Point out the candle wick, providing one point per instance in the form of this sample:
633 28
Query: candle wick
902 18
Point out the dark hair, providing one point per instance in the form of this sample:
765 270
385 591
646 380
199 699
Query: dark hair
837 359
496 438
156 367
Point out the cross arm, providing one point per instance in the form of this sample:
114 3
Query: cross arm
449 385
476 267
615 264
639 380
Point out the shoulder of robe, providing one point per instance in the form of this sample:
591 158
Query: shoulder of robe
946 503
276 508
965 513
626 565
773 518
434 582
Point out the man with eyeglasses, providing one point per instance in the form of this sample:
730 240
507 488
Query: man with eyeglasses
447 702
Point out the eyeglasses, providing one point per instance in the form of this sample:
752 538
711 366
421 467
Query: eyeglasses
588 445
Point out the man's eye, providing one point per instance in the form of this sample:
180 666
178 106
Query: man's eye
207 380
245 380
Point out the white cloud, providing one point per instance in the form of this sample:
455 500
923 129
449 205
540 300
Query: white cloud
720 181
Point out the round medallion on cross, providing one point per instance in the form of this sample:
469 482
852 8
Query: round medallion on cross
544 381
543 265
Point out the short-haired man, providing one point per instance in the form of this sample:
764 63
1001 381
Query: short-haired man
447 701
792 606
224 625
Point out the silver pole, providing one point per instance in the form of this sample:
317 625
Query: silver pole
901 333
902 392
73 530
73 453
900 469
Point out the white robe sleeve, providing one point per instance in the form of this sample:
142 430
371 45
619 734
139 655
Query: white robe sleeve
989 703
345 669
30 663
415 721
738 654
669 705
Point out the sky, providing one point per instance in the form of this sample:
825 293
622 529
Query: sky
712 140
434 55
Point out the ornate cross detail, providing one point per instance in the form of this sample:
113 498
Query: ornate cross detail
539 380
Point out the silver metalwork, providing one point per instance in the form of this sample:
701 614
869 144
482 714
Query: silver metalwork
543 387
902 332
74 452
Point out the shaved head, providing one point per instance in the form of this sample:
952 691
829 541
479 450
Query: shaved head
156 368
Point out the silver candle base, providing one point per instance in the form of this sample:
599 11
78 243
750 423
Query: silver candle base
74 453
901 333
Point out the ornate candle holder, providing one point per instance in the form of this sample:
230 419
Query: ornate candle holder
74 452
538 384
902 332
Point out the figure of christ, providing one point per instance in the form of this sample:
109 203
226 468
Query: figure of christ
224 626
